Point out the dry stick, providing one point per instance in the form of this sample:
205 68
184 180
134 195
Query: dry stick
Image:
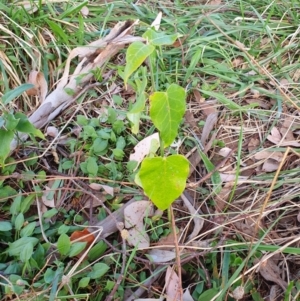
177 255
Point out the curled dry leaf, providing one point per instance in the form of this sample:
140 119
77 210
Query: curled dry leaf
134 216
238 293
159 256
225 151
146 146
106 188
85 11
52 131
270 165
232 178
277 156
271 272
172 285
276 138
40 88
187 296
157 21
210 122
48 197
198 221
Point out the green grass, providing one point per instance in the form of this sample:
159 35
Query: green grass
239 59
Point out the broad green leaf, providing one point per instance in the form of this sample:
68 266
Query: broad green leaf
160 38
6 192
84 282
17 246
28 229
63 244
11 95
11 122
92 166
164 179
97 250
5 137
5 226
50 213
208 295
99 269
19 221
225 101
167 110
136 53
26 252
215 177
25 126
77 248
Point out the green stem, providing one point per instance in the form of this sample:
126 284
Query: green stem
161 145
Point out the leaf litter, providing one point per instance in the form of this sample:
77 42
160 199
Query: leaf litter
240 195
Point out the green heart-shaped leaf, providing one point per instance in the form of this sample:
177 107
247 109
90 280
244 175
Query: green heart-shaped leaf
167 110
164 179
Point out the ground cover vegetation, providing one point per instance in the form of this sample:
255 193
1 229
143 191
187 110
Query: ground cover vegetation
149 149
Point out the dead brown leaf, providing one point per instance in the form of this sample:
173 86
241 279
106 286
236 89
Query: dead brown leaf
172 285
210 122
40 88
271 272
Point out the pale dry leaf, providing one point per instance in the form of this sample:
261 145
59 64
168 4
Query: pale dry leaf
108 189
187 295
225 151
48 197
168 240
197 219
232 178
270 165
85 11
296 75
277 156
201 244
29 6
134 215
237 61
208 107
172 285
159 256
286 127
157 21
146 146
210 122
149 299
198 96
215 2
275 138
271 272
40 88
274 292
238 293
52 131
253 144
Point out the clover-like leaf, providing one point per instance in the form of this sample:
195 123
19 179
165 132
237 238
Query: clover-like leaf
166 111
163 179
